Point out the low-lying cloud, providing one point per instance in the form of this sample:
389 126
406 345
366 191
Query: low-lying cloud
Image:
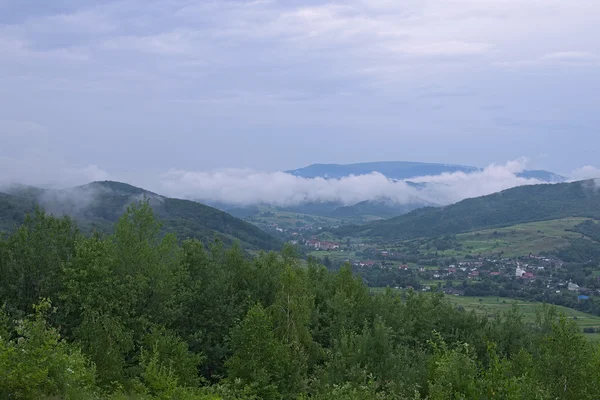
587 172
246 187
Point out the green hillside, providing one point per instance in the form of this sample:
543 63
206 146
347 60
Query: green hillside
12 211
98 205
518 240
513 206
373 210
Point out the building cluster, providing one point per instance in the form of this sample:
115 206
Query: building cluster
321 244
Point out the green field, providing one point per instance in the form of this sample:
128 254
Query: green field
494 305
517 240
288 219
491 306
334 254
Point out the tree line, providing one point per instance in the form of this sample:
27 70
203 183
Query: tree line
138 314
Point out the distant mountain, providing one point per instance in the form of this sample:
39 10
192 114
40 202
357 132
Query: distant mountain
376 209
13 210
392 169
513 206
401 170
98 205
543 176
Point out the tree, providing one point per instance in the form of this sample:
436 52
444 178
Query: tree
259 359
37 363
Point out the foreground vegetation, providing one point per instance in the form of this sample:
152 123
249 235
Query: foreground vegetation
139 315
492 306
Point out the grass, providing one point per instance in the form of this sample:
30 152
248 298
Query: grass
517 240
334 254
494 305
290 219
491 306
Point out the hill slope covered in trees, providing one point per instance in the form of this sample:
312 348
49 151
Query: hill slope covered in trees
136 315
513 206
98 205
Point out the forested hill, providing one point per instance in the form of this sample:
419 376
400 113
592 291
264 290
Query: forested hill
137 316
512 206
98 205
13 210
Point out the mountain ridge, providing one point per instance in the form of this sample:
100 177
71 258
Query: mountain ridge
516 205
98 205
401 170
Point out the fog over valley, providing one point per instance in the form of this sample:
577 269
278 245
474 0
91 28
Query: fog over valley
244 187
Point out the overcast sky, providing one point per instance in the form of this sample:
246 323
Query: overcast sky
125 88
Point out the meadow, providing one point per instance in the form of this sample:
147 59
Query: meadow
517 240
492 306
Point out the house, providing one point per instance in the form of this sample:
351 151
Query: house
495 273
573 287
329 246
474 274
451 270
367 263
527 275
313 243
318 245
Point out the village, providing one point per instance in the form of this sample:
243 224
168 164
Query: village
407 266
546 273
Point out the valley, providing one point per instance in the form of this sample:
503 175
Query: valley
485 266
299 200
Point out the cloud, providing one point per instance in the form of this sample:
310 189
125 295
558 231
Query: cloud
559 58
196 78
587 172
246 187
452 187
37 169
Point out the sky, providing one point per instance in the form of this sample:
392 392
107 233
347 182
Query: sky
156 92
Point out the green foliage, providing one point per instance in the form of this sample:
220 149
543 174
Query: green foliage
259 360
31 259
580 250
139 316
13 211
590 229
164 351
37 363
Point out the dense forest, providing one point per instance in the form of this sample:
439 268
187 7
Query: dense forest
98 205
513 206
140 315
586 248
